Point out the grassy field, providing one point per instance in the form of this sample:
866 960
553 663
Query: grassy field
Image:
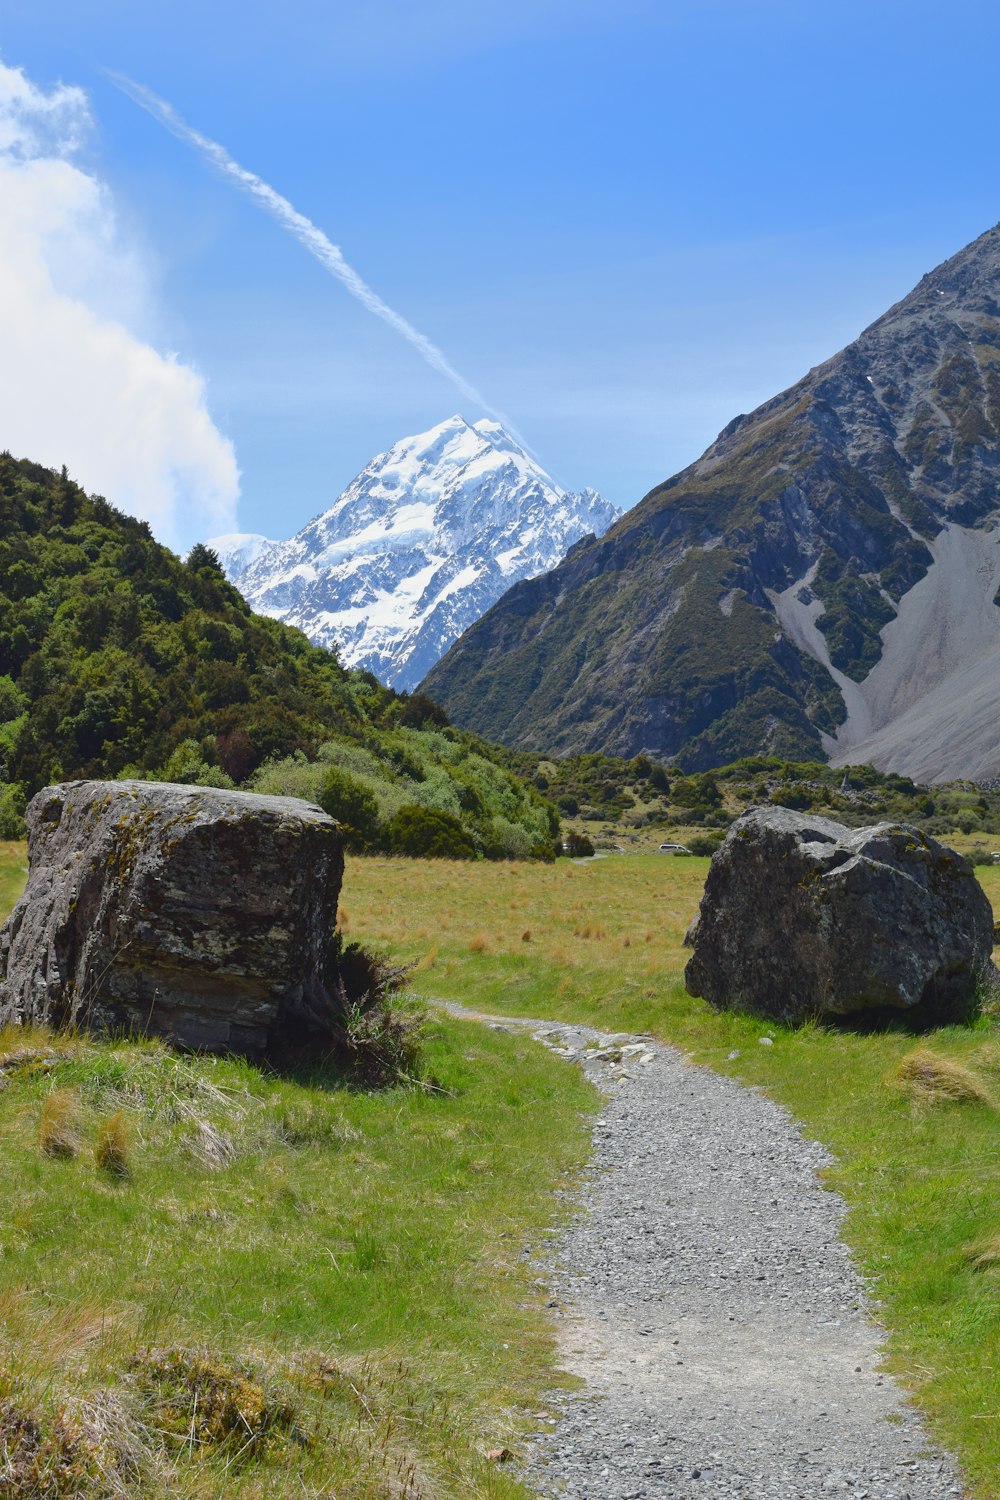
359 1261
13 869
601 941
215 1282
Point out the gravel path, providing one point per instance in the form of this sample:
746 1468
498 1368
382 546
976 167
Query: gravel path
705 1297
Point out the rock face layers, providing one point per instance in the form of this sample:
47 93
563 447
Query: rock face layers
201 915
743 605
803 918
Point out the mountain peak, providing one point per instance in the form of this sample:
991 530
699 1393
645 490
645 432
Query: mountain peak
426 537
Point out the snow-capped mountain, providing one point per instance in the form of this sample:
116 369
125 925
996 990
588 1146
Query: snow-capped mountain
417 547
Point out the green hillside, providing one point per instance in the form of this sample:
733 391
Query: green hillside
117 658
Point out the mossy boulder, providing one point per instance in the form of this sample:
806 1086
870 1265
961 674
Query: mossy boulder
202 915
803 918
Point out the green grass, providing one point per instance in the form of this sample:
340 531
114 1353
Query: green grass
277 1287
13 869
921 1178
385 1234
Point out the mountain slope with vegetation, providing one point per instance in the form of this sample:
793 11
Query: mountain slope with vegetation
117 658
742 605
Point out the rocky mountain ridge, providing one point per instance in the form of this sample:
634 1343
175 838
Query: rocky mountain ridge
421 542
820 581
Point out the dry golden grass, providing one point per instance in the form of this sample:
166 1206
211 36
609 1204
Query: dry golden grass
932 1079
59 1123
986 1255
479 943
553 902
114 1140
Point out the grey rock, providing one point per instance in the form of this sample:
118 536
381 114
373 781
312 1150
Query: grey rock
803 918
205 916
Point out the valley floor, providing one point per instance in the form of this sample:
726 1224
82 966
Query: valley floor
599 944
374 1263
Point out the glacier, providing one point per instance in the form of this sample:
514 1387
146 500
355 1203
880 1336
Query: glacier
416 548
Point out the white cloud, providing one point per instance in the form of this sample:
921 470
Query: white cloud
77 386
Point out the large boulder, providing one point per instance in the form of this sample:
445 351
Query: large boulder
201 915
803 918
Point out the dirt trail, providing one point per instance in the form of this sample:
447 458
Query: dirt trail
704 1295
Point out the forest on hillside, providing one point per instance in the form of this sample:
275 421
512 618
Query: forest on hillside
117 659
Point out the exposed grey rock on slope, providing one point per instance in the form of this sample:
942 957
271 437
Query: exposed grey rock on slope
205 916
824 572
802 917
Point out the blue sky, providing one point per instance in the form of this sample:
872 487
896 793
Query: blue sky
623 223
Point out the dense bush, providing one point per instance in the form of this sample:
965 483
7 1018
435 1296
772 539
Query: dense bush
352 804
429 833
116 656
703 843
11 812
599 788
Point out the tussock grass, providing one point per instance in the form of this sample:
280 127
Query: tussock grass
13 872
59 1123
986 1255
938 1080
114 1141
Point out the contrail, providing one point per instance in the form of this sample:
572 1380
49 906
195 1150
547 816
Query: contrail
305 231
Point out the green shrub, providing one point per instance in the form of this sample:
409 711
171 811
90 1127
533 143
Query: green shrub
353 806
187 764
658 779
12 804
418 711
703 843
794 797
428 832
578 845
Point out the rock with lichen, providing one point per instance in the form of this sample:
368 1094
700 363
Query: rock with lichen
201 915
803 918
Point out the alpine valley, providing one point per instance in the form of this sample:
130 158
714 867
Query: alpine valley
425 539
823 581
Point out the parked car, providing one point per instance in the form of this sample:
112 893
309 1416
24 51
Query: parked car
674 849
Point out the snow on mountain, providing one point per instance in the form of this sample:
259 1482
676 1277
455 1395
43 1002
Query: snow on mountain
236 550
417 547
